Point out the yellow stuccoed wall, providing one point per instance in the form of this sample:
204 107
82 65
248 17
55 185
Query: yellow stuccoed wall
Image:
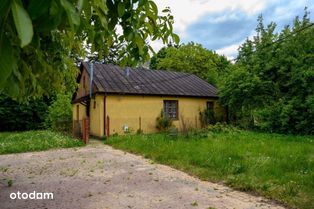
97 116
127 110
82 111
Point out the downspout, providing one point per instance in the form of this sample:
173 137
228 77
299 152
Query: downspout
105 117
91 79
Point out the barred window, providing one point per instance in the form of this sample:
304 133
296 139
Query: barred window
171 108
210 105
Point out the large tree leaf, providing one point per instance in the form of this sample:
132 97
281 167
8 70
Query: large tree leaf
176 38
73 15
7 59
121 9
22 23
102 5
154 8
80 4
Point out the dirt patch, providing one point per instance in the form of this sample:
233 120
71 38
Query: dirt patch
97 176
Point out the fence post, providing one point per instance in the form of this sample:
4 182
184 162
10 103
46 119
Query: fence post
85 130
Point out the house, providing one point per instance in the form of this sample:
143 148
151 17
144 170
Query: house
120 100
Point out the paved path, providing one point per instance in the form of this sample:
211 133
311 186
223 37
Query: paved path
97 176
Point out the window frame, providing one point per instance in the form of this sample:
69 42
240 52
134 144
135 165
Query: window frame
176 103
210 104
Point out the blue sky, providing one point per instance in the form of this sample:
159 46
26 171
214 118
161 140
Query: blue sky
223 25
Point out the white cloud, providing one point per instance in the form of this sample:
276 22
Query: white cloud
229 51
189 12
186 12
156 45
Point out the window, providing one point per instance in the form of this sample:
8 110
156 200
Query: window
171 108
210 105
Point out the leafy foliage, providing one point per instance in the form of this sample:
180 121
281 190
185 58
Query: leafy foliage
192 58
20 117
272 83
222 128
161 54
40 40
163 122
59 116
207 117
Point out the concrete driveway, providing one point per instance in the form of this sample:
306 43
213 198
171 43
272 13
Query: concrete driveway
98 176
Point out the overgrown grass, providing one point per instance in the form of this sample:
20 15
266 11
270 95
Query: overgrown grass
280 167
16 142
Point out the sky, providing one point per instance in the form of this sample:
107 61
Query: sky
223 25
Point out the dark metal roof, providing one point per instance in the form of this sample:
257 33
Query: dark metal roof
113 79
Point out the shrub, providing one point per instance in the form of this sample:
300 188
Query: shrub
172 132
139 131
222 128
15 116
186 128
60 114
207 117
163 122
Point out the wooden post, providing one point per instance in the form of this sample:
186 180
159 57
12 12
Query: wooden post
85 130
140 123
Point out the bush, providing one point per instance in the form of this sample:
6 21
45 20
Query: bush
172 132
222 128
163 122
139 131
293 117
186 128
15 116
60 114
207 117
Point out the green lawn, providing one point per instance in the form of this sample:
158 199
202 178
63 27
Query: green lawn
276 166
15 142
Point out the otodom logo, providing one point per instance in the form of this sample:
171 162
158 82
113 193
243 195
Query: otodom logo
31 196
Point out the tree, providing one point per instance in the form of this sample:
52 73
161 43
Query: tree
109 57
59 116
272 87
40 39
20 117
161 54
192 58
